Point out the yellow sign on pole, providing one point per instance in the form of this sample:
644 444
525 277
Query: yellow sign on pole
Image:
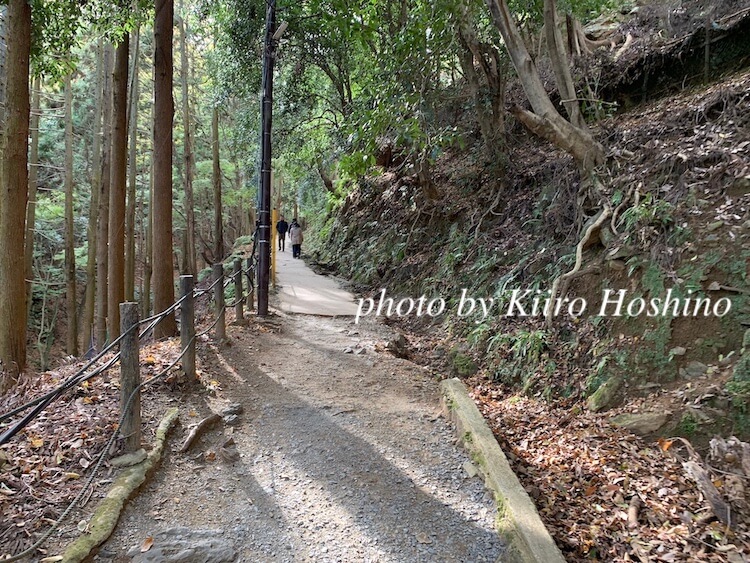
274 234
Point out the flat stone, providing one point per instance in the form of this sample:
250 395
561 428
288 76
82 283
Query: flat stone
233 408
616 265
606 396
678 351
695 369
641 423
715 226
183 545
231 419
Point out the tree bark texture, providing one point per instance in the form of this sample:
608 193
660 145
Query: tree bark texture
561 69
218 223
133 172
547 121
117 188
102 226
189 260
70 256
14 183
96 180
163 264
33 185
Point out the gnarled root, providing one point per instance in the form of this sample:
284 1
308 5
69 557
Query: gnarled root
560 285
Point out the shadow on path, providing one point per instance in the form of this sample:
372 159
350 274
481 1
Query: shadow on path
327 481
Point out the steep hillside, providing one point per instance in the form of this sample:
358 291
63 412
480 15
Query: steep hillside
680 169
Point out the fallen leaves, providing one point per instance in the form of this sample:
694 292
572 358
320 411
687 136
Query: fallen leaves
605 494
147 544
45 466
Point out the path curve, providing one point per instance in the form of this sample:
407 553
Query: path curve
340 455
300 290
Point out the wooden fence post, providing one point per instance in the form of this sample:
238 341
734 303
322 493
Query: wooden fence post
221 329
239 310
130 377
251 285
187 327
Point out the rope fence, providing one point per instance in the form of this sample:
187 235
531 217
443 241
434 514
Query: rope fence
129 424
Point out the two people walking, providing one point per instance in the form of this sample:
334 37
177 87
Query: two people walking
295 236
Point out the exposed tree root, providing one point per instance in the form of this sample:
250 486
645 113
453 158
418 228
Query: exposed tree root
484 216
196 430
616 212
625 46
560 285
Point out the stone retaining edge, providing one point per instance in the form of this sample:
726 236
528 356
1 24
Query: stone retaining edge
518 520
106 515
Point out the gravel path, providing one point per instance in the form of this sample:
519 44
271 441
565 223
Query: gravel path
340 455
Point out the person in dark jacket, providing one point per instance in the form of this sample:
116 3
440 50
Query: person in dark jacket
282 227
296 238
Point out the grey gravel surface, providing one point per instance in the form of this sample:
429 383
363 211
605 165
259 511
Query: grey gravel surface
334 457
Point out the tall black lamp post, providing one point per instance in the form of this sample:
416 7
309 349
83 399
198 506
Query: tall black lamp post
264 208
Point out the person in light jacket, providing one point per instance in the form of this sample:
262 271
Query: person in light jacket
296 238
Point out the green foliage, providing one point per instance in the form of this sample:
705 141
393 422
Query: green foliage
462 363
650 213
525 346
587 10
688 425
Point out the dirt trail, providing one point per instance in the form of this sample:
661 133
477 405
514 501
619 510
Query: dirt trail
338 456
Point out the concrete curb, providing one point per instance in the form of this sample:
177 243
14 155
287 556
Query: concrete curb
518 520
106 515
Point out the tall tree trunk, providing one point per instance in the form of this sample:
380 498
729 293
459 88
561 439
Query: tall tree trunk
164 110
149 218
189 243
117 188
3 60
492 120
70 256
102 227
218 226
133 176
559 59
33 185
545 121
14 183
96 180
148 268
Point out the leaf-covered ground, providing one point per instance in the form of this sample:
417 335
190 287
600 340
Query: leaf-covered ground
583 475
44 467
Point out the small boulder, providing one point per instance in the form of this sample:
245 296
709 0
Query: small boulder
641 423
695 369
399 346
232 408
606 396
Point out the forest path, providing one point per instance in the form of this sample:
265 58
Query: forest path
300 290
340 454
